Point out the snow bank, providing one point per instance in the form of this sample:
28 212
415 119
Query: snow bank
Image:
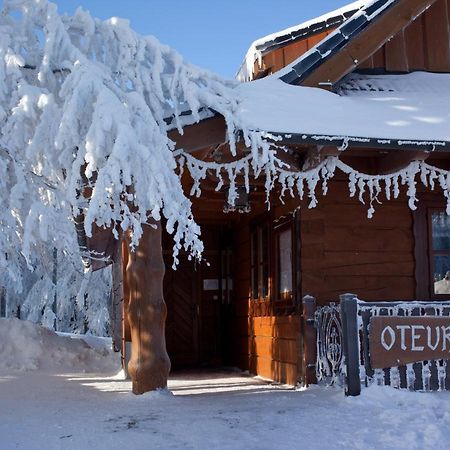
27 346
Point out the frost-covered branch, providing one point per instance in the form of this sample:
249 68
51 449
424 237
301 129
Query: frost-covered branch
84 99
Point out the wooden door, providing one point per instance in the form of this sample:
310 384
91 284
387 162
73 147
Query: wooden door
182 299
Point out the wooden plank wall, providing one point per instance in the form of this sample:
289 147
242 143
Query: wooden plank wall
273 348
422 45
281 57
344 251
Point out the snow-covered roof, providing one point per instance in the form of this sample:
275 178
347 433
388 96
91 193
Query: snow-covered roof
409 110
288 35
299 69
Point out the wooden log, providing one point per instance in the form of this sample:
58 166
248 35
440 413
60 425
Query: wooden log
149 365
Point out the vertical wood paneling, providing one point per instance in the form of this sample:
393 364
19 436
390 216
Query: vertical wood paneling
396 57
423 45
437 49
378 59
293 51
414 40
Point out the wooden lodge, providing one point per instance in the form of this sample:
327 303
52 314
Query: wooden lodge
242 305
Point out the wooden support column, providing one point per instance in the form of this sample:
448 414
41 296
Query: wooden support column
149 365
349 316
310 338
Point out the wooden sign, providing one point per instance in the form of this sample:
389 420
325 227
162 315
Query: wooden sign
396 341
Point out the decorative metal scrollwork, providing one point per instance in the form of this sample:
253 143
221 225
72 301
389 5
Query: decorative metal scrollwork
329 364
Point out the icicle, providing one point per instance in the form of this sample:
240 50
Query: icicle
410 377
394 377
379 377
300 189
442 373
426 375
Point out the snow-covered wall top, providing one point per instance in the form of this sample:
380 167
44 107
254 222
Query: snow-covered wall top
300 31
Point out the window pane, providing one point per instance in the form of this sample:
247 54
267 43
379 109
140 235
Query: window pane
285 262
264 262
441 274
254 265
265 283
440 227
264 245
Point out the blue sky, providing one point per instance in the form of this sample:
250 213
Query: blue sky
211 34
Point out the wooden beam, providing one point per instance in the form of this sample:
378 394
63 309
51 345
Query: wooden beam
201 135
367 42
393 161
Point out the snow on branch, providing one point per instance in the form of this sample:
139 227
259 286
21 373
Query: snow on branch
83 99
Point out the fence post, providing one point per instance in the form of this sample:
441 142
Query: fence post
309 339
349 315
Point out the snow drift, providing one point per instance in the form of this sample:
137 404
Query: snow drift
27 346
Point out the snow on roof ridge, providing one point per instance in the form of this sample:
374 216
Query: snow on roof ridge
254 52
292 73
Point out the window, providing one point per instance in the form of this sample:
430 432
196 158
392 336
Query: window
439 251
432 248
284 260
259 261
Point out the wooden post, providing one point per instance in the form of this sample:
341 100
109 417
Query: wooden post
309 339
149 365
349 316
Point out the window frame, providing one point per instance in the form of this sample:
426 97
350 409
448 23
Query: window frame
423 249
259 266
272 304
286 225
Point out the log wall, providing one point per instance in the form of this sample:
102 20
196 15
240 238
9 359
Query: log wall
344 251
341 251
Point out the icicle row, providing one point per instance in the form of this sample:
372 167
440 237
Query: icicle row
292 182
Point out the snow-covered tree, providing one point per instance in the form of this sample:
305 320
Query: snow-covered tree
84 104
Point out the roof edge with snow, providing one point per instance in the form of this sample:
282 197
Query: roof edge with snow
299 70
301 31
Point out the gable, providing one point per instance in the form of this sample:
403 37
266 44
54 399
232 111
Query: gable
271 53
421 45
354 41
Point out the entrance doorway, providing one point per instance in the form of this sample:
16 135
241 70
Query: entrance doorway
197 295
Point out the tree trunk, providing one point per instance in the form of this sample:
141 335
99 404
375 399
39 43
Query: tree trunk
117 301
149 364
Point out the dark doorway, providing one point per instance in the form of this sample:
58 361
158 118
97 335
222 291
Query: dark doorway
197 295
183 306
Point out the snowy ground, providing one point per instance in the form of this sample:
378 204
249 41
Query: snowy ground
50 408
